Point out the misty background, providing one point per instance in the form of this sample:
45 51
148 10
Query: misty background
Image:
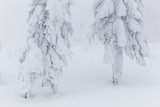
87 80
14 14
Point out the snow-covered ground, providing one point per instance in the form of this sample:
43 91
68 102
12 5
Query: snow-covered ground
86 80
87 83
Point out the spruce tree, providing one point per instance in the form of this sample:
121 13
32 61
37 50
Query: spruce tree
47 44
119 26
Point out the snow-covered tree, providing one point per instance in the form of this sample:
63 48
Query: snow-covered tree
119 26
47 44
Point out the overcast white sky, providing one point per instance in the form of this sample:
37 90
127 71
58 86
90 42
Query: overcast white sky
14 15
152 20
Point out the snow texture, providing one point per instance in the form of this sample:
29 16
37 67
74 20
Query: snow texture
47 44
87 81
119 26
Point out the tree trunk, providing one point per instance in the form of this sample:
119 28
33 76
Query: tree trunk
117 65
27 94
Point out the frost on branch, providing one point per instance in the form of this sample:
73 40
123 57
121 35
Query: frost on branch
119 26
47 44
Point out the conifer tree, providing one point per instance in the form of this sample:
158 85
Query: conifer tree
119 26
47 44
